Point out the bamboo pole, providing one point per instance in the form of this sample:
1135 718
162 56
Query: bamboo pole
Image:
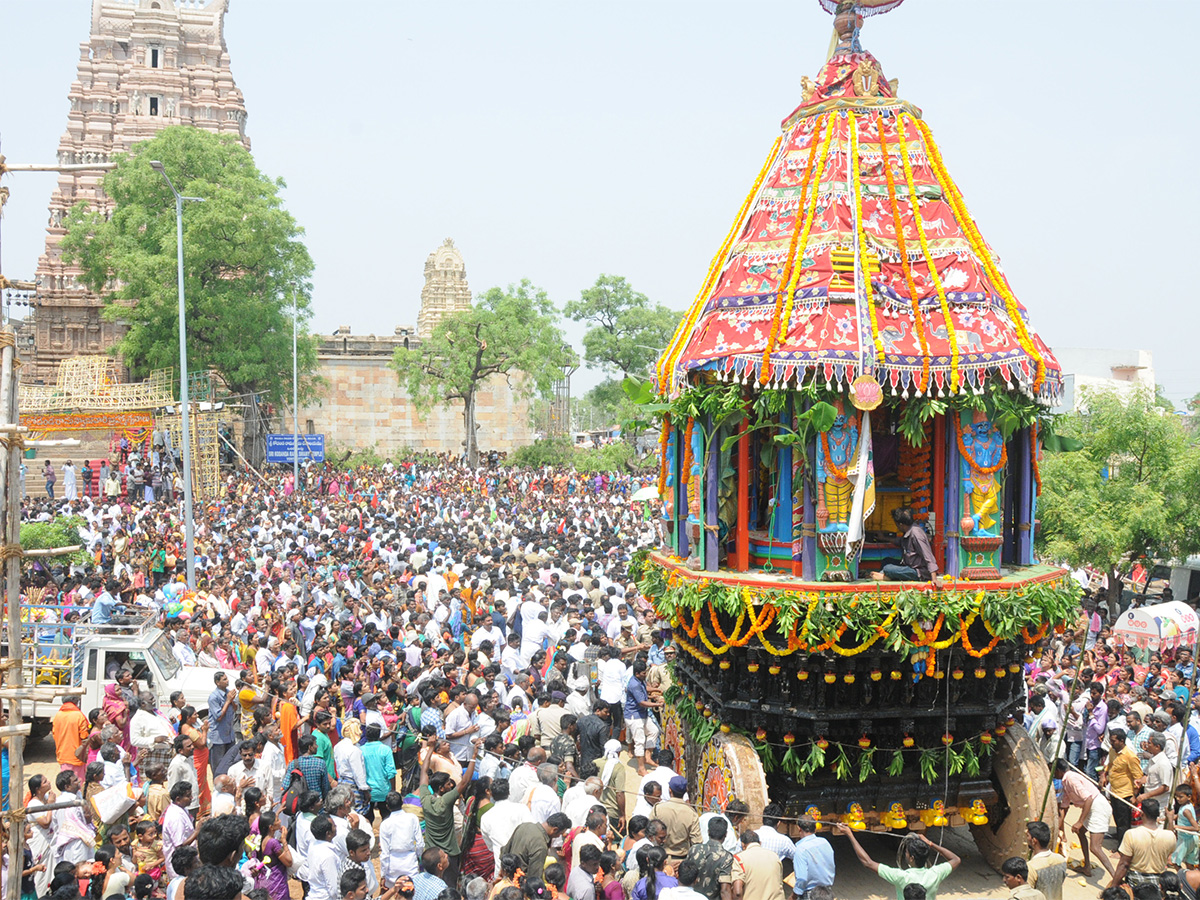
10 492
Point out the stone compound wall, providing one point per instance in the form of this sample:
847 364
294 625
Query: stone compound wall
363 405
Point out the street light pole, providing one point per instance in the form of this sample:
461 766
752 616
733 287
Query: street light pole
295 400
184 404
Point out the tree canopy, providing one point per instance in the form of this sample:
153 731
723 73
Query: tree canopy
626 334
244 263
627 331
1129 493
511 333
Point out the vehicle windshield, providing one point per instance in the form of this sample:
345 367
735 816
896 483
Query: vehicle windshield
160 652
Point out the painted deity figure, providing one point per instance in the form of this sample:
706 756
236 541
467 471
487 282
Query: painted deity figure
695 498
835 456
982 452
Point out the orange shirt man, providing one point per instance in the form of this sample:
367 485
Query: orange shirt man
70 727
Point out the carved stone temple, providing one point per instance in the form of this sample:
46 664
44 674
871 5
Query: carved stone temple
446 290
148 64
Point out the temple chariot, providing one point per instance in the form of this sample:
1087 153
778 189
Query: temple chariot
856 349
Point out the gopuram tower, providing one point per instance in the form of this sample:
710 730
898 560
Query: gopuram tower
148 64
446 290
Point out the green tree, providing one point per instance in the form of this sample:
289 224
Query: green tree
511 333
1128 494
244 263
627 334
627 331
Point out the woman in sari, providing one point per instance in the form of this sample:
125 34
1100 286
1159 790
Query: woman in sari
289 722
477 859
41 839
116 708
267 845
190 726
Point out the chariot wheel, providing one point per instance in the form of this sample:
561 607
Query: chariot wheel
1022 778
726 767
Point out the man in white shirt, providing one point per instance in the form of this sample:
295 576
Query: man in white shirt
183 769
511 660
323 864
149 733
498 823
489 631
264 659
248 772
401 841
543 801
461 725
612 676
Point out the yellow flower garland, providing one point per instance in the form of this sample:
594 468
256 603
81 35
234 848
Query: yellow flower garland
952 194
861 236
792 266
930 264
902 247
679 338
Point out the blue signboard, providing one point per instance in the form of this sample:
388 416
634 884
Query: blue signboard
281 448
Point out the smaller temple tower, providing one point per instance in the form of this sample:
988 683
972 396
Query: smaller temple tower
446 290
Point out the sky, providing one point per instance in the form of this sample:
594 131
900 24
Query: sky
557 141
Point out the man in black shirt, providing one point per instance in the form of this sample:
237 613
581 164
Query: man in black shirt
594 730
916 556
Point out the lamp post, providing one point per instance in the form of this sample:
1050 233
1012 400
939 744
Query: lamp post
188 528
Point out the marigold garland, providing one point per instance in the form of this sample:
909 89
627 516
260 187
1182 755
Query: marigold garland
679 339
962 449
955 198
861 237
1033 456
685 470
792 266
901 245
840 473
965 625
1037 635
934 276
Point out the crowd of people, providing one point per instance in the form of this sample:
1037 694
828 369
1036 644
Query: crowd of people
439 683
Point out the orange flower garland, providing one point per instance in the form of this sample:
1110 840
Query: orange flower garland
962 449
965 625
1033 456
862 237
685 470
840 473
954 197
662 454
679 339
934 276
1036 636
801 227
901 246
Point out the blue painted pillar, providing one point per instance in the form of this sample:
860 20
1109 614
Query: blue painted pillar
952 497
810 516
682 545
782 530
1024 474
712 488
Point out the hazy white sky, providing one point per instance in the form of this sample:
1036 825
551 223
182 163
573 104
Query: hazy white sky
558 140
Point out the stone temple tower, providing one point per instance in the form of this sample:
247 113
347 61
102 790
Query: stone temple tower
446 290
147 65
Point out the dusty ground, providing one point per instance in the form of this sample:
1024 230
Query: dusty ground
973 879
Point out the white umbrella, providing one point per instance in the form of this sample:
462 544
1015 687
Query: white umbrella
646 493
1157 627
